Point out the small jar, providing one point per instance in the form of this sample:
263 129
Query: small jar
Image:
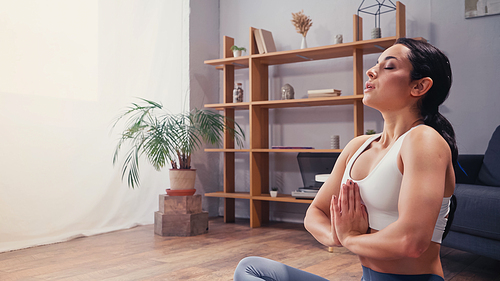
238 93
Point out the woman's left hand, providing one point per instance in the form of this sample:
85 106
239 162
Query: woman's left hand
349 215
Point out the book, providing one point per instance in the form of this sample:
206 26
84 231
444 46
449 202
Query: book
321 95
324 91
258 40
265 41
292 147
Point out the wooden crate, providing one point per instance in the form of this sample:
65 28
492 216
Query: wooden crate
180 216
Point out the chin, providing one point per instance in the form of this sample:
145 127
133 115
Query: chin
368 102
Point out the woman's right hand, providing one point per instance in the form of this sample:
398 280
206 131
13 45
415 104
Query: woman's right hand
335 238
349 215
319 220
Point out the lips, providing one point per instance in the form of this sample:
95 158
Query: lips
369 86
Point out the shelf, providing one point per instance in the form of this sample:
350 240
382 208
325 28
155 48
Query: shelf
236 195
271 150
259 105
239 62
310 54
323 101
281 198
295 150
236 105
226 150
263 197
340 100
326 52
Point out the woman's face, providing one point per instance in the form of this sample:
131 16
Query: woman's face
389 84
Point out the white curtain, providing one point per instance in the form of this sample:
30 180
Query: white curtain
67 69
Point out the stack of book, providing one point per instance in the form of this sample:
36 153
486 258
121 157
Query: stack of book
291 147
323 93
265 41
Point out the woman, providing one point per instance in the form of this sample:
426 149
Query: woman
387 197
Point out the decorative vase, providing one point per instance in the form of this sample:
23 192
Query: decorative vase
237 53
238 93
376 33
303 45
335 141
338 39
182 179
273 193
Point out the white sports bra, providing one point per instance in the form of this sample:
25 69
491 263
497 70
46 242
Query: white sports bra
380 189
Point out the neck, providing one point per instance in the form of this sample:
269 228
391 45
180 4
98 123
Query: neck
398 123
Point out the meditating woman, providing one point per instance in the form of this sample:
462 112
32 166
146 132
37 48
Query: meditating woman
387 198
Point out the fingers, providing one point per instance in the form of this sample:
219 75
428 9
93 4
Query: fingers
347 196
357 198
364 211
334 208
350 197
344 198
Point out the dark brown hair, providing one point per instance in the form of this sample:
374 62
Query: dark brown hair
429 61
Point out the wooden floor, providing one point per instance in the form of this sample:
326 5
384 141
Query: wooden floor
138 254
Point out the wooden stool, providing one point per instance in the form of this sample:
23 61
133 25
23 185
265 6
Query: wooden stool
180 216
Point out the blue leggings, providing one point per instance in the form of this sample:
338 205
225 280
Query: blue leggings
256 268
372 275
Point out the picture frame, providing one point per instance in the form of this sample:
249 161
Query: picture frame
481 8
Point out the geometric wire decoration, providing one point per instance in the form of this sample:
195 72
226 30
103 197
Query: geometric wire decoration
377 9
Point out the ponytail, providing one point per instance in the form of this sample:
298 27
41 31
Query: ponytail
428 61
444 128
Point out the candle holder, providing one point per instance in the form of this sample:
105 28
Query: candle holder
376 8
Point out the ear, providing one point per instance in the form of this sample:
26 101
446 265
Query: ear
421 86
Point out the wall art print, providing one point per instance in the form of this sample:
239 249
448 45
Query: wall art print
481 8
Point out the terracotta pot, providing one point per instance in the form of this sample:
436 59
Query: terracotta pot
181 179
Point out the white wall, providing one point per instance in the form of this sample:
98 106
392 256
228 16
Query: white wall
472 46
204 89
67 69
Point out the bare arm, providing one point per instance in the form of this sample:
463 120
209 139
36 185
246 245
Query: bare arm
318 217
425 156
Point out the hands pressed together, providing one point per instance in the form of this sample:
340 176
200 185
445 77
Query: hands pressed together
348 214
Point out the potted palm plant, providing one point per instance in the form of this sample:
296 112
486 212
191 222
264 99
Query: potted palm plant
165 138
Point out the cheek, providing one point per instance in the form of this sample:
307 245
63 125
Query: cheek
397 82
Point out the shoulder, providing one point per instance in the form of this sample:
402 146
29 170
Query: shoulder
424 142
354 145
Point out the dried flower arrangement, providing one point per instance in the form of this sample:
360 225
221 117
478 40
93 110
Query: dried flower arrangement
301 22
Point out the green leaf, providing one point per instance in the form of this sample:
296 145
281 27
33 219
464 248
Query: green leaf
168 138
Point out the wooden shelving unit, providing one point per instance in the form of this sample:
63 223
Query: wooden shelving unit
259 105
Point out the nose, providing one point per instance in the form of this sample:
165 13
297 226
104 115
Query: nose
371 73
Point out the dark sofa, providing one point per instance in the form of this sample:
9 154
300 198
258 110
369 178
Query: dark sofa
476 223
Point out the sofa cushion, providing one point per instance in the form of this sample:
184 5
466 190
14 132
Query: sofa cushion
490 170
477 210
468 168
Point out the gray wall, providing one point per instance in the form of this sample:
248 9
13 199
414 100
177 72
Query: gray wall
204 84
471 45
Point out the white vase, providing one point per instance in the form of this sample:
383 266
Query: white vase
181 179
273 193
236 53
303 45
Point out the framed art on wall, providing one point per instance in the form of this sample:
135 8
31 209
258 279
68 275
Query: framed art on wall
481 8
